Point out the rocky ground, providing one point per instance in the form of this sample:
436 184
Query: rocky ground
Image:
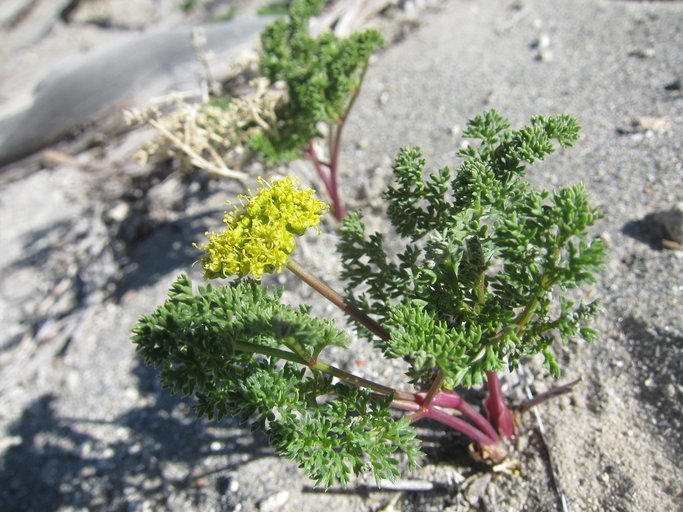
91 240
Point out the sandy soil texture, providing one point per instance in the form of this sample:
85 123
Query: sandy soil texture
91 240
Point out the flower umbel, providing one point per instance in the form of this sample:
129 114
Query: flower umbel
260 236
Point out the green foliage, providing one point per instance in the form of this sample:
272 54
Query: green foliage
472 290
225 345
476 284
274 8
322 74
201 340
188 5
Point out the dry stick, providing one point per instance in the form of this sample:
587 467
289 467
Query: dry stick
551 393
197 159
541 431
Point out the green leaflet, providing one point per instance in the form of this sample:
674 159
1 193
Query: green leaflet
471 290
321 74
353 433
225 344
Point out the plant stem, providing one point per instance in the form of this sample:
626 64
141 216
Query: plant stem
350 378
335 148
402 399
356 91
462 426
255 348
429 397
497 410
422 404
334 138
329 180
337 299
318 164
454 401
449 420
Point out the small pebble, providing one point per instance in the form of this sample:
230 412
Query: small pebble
672 222
476 488
274 501
119 212
676 85
670 391
643 53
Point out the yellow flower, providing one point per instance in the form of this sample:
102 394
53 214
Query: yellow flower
260 237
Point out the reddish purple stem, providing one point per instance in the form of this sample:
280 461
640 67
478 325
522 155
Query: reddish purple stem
496 409
454 401
329 179
447 419
466 428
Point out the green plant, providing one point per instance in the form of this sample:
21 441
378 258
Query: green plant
274 8
477 286
188 5
299 104
322 76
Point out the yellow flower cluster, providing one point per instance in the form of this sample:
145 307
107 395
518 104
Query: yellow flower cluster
260 237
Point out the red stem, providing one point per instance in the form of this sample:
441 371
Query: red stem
462 426
318 164
497 410
329 179
447 419
454 401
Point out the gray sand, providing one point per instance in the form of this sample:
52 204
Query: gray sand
89 247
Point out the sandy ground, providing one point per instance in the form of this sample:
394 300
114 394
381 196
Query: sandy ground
92 242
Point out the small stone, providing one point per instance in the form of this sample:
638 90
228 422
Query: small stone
642 53
645 125
73 380
274 502
676 85
670 391
543 42
8 442
672 222
476 488
654 124
545 56
119 212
